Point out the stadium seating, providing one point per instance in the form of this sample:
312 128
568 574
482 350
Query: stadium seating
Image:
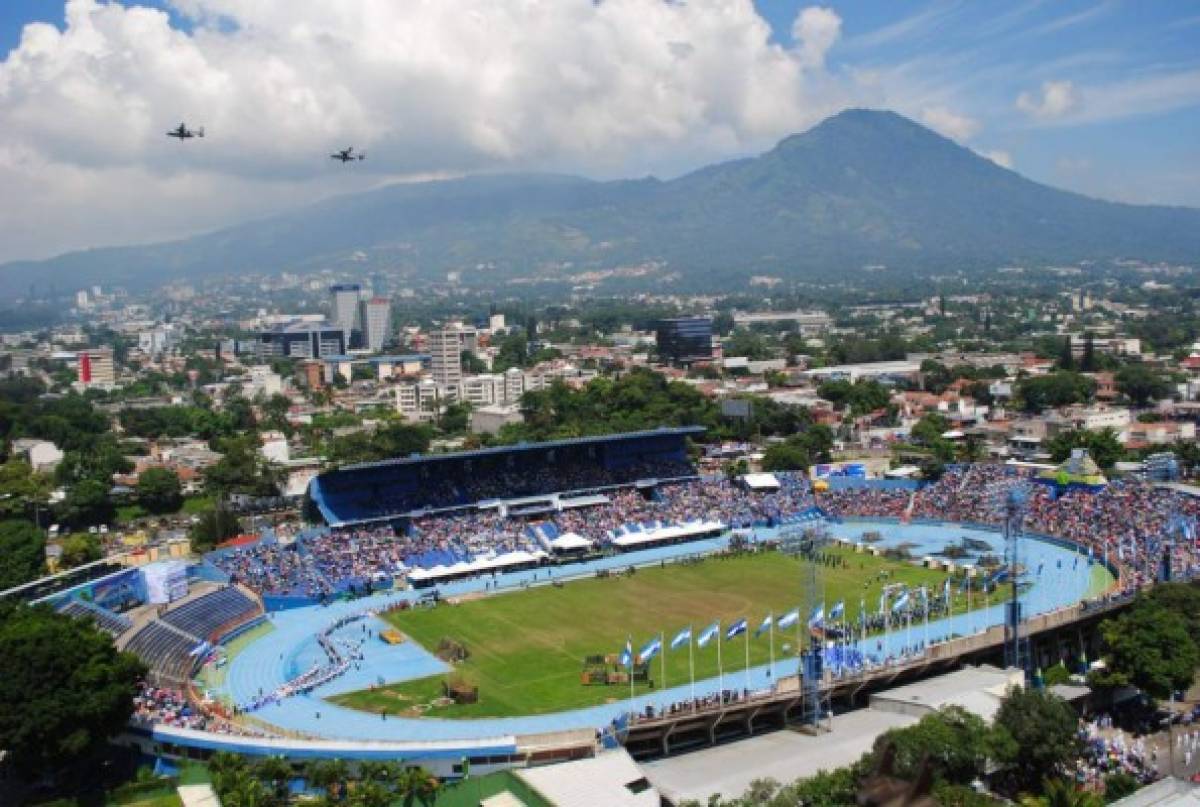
111 623
205 615
166 651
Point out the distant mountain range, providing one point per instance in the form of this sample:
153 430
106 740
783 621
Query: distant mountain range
862 188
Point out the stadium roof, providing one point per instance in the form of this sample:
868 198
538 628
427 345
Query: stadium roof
665 431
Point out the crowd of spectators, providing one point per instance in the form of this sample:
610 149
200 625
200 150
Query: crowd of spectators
864 502
1108 751
1127 521
319 565
270 567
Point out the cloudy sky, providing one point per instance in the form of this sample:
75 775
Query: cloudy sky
1103 97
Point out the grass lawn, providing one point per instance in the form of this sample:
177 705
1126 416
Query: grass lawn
527 648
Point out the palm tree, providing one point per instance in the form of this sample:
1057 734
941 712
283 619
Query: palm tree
417 784
329 775
1061 793
372 794
277 772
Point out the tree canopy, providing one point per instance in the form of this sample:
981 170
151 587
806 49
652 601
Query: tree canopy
1061 388
64 689
1037 737
158 490
1150 647
1141 384
22 553
1104 446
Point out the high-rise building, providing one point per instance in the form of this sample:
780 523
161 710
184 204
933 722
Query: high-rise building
343 305
376 322
301 340
96 367
685 339
446 347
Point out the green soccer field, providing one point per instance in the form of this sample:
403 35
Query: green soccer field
527 648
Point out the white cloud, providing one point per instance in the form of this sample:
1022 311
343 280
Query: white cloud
1055 99
815 30
999 157
606 88
949 123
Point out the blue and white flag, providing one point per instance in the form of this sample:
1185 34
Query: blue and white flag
816 617
900 602
683 637
838 610
649 650
765 626
627 653
789 619
883 601
735 629
708 634
946 590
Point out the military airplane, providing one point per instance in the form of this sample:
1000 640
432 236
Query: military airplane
183 132
346 155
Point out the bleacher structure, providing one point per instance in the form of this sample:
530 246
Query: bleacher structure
167 651
204 616
110 622
175 643
384 491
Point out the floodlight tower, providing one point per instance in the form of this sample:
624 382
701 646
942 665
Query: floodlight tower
1016 646
802 543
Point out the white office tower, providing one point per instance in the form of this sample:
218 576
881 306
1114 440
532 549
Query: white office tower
445 348
377 322
343 304
166 581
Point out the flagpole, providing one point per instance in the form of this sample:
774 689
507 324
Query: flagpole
720 670
925 602
691 669
662 641
747 632
771 639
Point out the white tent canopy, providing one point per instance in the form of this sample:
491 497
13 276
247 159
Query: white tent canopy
761 481
667 533
477 566
570 540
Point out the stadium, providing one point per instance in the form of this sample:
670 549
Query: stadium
515 606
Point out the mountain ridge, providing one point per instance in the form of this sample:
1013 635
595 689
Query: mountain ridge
861 187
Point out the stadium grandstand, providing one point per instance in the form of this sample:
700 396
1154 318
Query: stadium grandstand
382 491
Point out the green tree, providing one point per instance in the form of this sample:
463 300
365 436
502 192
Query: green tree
956 743
1148 647
1053 390
22 553
1119 785
1063 793
212 527
87 503
64 691
277 773
158 490
80 548
472 364
1103 446
455 418
1036 738
785 456
1141 384
21 489
241 469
